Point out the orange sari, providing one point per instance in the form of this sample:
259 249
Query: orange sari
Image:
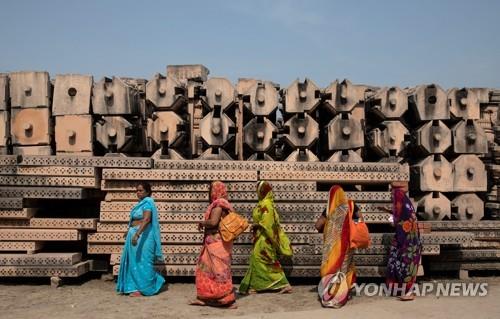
337 267
214 283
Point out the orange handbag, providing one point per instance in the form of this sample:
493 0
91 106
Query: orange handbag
232 225
359 236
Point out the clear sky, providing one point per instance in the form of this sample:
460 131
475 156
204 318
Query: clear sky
404 43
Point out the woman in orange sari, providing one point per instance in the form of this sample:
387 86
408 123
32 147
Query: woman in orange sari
337 267
214 285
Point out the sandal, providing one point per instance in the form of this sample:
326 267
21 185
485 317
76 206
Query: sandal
135 294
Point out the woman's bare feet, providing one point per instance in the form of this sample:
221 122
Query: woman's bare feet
197 302
232 306
407 297
286 290
248 292
135 294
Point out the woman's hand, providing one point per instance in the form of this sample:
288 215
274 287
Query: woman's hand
200 226
320 224
391 220
255 227
359 217
135 239
382 208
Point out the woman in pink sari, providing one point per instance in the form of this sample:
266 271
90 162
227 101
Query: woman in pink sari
214 285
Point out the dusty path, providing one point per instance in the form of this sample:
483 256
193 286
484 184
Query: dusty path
96 299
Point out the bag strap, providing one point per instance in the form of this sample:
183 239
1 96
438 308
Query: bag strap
350 206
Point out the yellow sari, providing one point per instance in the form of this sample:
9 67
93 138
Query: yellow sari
338 273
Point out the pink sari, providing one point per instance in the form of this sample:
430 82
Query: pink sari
214 283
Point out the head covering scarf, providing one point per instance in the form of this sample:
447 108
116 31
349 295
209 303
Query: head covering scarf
263 189
218 198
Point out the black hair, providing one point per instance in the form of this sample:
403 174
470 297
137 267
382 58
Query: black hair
147 187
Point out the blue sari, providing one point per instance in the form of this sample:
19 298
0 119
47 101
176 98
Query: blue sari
137 271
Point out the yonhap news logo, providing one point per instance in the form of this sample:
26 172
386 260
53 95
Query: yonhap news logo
437 289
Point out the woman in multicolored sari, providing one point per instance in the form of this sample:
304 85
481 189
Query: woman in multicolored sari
337 267
137 276
214 285
265 272
406 247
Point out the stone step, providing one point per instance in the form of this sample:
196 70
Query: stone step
40 259
46 271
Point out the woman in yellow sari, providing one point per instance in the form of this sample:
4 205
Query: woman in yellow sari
265 272
337 267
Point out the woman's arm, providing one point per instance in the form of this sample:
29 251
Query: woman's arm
146 219
214 219
320 224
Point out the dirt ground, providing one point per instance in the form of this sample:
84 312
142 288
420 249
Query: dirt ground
95 298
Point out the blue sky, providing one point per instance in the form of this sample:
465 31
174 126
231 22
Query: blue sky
404 43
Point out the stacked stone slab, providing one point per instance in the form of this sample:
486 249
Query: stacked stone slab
198 128
482 254
42 221
491 124
4 115
74 124
182 196
257 109
300 128
448 141
193 78
167 129
119 104
457 146
346 130
218 125
387 132
31 124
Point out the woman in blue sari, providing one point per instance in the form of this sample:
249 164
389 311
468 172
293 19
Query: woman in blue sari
137 276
